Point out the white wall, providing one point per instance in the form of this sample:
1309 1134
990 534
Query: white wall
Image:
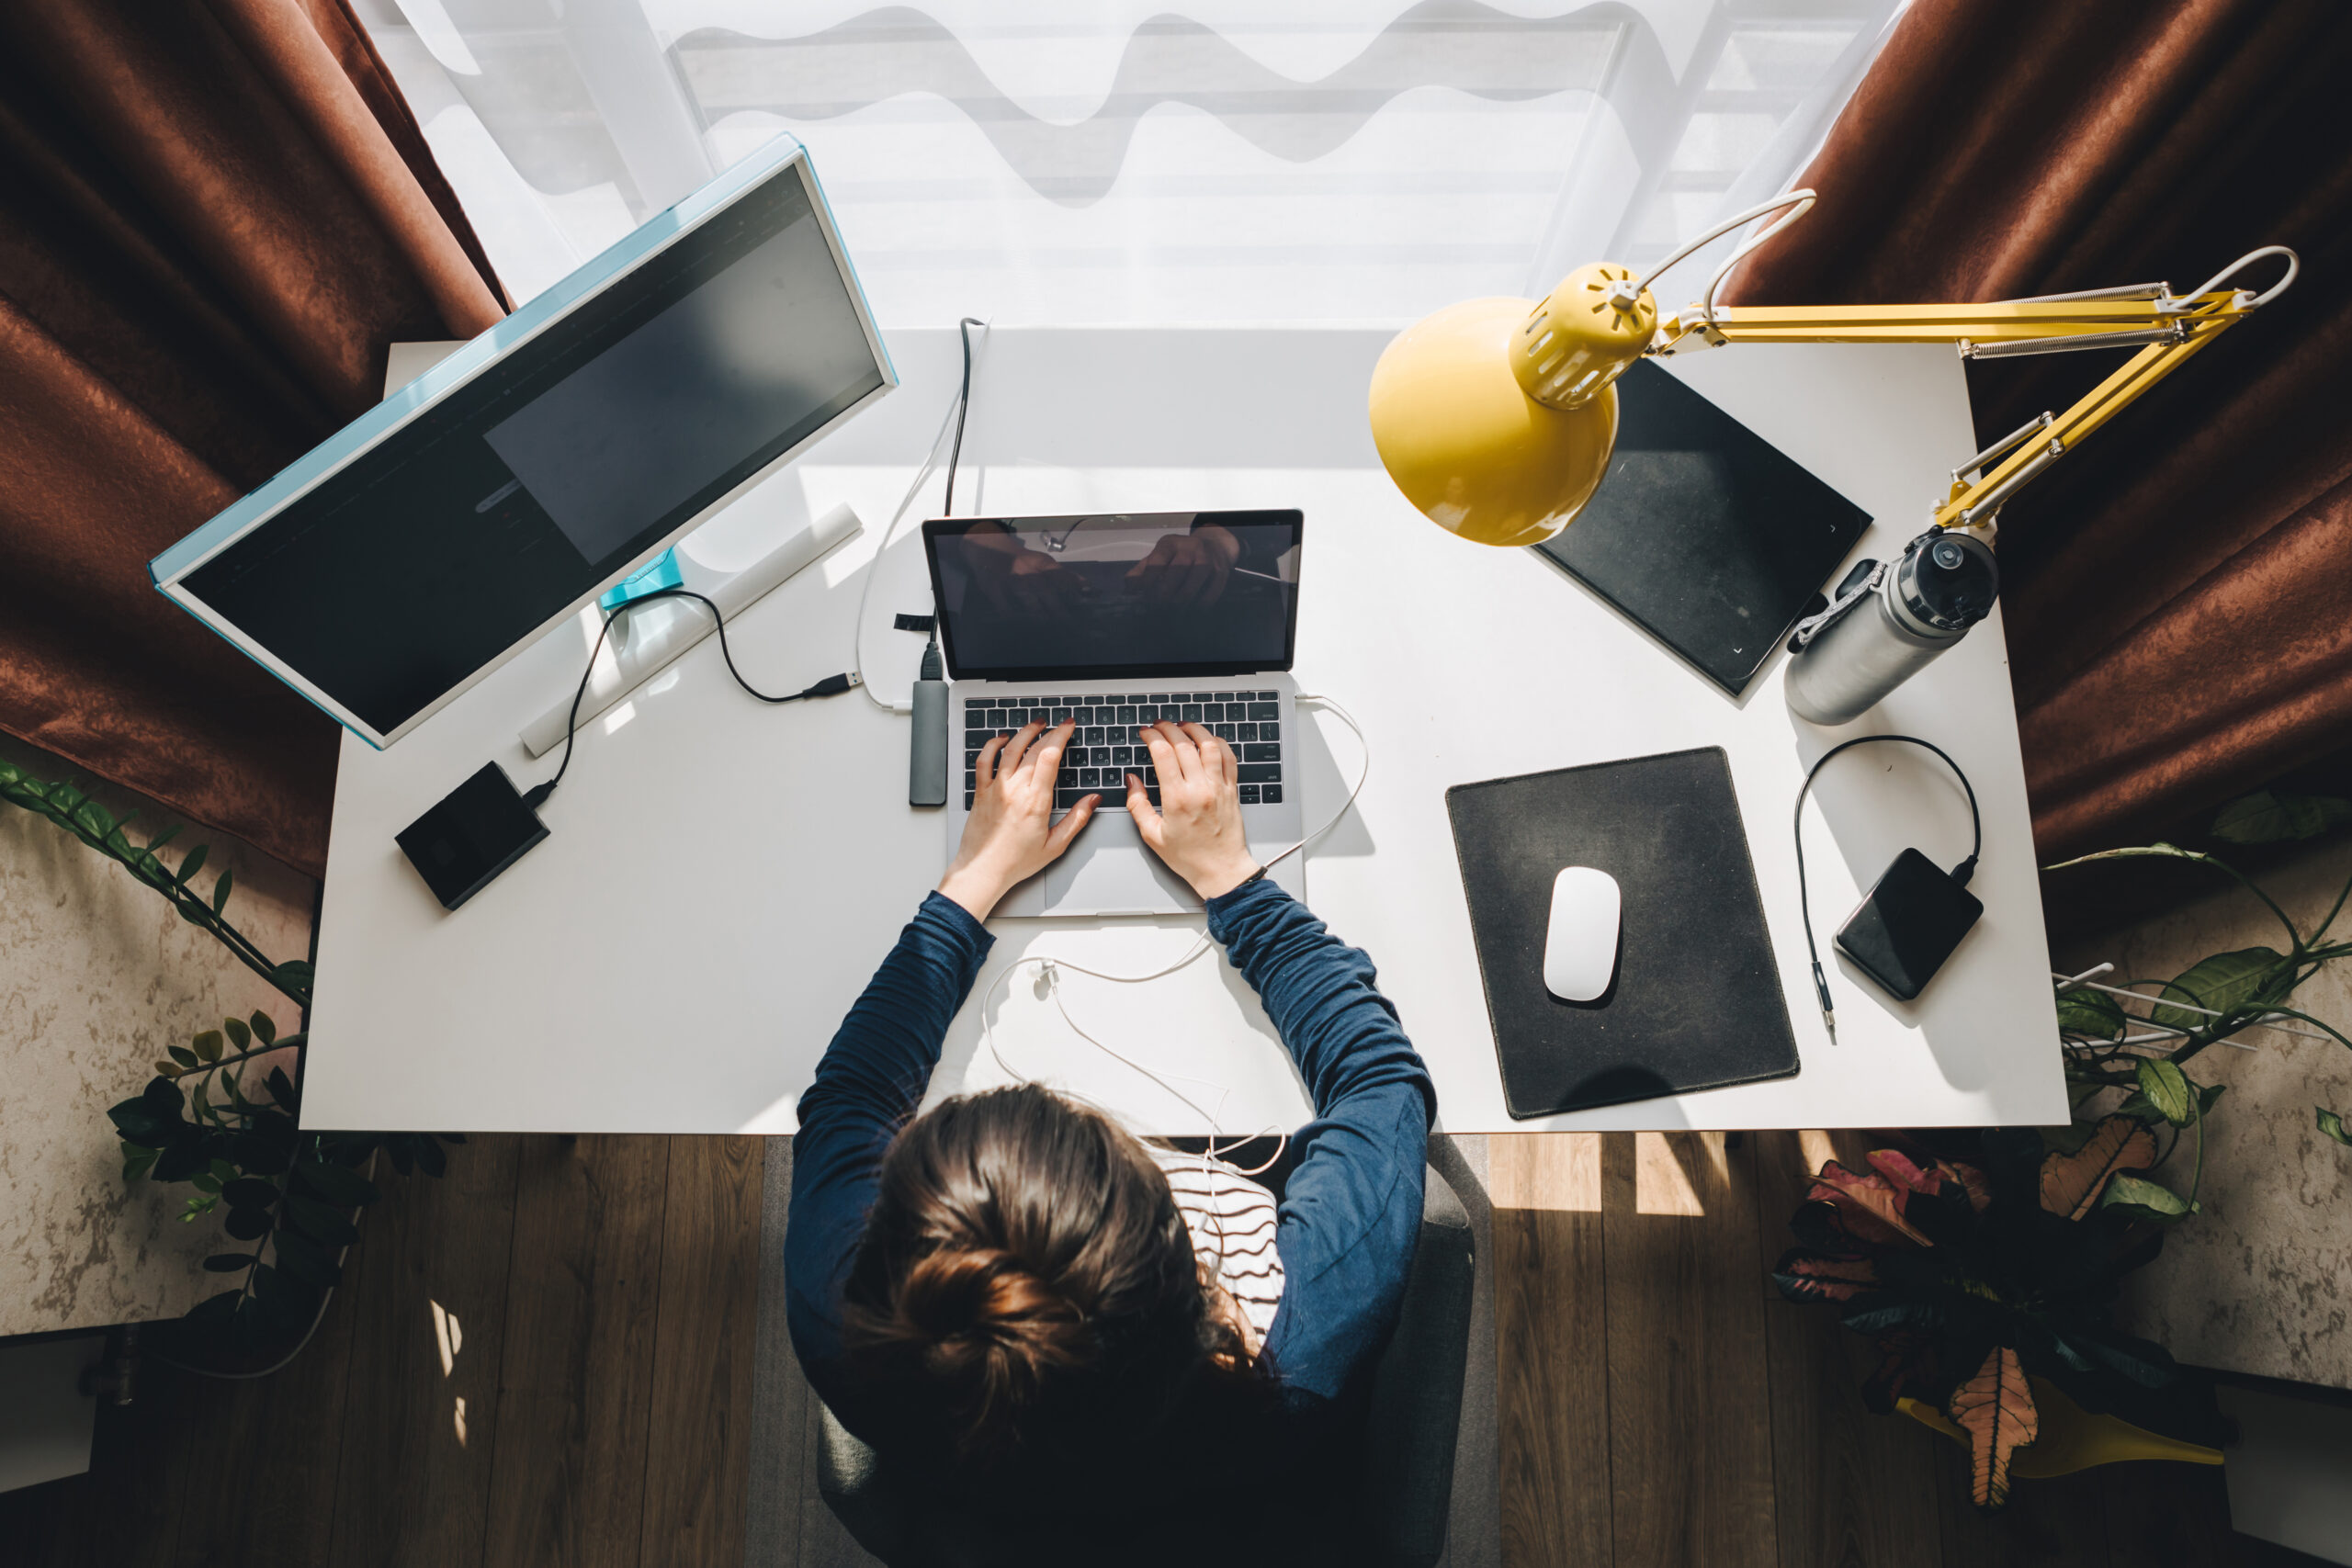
2260 1281
97 975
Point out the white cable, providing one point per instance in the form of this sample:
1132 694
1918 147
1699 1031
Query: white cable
1365 772
2248 300
1050 967
1803 198
889 529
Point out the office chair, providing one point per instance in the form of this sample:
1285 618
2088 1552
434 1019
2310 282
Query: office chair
1404 1478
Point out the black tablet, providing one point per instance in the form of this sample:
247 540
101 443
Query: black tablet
1710 537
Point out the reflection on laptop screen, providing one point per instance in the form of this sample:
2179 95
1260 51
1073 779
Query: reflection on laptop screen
1166 593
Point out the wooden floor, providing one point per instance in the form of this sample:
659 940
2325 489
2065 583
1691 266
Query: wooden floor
547 1358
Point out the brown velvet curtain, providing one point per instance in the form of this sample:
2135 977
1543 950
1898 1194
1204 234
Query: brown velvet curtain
2178 591
214 215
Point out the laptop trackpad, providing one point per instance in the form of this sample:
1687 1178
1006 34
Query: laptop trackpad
1108 871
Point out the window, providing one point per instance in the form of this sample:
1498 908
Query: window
1263 160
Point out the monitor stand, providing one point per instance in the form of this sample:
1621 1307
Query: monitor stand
663 573
731 560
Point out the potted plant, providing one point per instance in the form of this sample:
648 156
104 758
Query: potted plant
219 1118
1985 1274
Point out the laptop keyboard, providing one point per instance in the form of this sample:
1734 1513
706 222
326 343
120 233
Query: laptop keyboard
1103 749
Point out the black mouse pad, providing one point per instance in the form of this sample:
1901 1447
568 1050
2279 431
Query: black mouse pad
1696 1002
1712 539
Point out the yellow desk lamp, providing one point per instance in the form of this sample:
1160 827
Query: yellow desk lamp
1496 417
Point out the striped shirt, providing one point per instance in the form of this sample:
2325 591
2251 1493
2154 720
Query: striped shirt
1231 1219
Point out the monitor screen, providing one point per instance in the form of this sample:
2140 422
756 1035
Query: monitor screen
1137 593
432 552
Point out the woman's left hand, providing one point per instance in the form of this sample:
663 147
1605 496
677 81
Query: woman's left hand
1011 834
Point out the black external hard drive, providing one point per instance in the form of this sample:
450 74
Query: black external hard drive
479 828
1908 925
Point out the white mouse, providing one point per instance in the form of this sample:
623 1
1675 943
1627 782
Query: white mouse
1580 946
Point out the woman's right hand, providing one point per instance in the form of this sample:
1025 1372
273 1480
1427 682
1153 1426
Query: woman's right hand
1197 827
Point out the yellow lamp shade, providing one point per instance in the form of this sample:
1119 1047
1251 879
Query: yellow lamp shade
1456 415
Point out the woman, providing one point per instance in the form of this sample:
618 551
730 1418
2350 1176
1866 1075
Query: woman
1010 1298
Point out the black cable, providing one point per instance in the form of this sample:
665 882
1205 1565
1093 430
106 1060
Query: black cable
830 686
931 669
1959 874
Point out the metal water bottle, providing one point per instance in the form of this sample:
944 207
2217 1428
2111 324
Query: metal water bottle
1887 622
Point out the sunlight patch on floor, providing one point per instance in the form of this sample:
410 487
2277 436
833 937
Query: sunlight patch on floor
450 1339
1552 1172
1660 1186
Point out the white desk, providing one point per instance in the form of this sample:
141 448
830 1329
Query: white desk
721 879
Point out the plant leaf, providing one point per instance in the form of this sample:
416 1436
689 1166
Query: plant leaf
2225 983
320 1220
1898 1168
208 1044
183 1055
247 1225
193 862
1995 1407
2333 1125
1809 1277
2145 1199
306 1260
264 1026
221 890
2167 1090
2085 1011
239 1035
250 1192
337 1184
229 1262
1871 1206
2263 818
2071 1182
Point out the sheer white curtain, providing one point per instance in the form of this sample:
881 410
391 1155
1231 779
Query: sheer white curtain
1099 160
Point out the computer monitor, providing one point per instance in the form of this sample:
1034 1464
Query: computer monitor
448 528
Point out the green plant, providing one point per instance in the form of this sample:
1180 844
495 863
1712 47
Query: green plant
1968 1273
2214 998
294 1194
71 809
238 1144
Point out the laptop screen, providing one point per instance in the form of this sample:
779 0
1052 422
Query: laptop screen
1105 594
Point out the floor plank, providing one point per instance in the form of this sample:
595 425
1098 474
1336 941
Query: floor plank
698 1469
422 1414
264 1455
125 1511
1850 1489
1690 1425
576 1377
1552 1383
2160 1515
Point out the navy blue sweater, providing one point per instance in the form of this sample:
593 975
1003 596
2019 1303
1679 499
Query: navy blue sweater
1350 1213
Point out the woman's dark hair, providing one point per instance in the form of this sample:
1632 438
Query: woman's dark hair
1025 1293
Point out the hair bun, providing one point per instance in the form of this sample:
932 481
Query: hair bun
983 1310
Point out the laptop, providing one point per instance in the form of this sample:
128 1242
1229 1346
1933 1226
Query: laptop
1112 621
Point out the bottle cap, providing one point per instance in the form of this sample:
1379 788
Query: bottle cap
1948 580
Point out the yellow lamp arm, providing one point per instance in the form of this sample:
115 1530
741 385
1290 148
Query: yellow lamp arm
2170 329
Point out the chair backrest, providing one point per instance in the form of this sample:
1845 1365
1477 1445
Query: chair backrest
1405 1478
